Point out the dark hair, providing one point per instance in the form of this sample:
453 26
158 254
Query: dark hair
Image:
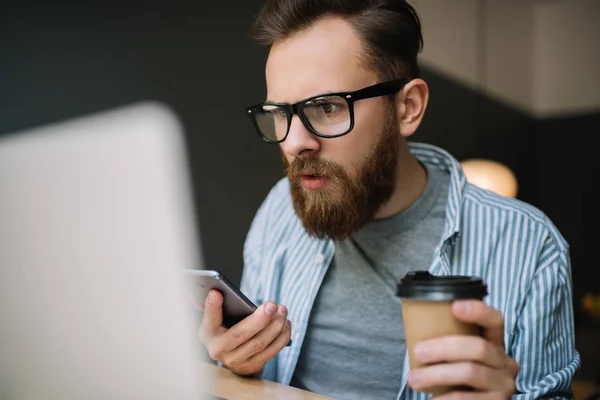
389 29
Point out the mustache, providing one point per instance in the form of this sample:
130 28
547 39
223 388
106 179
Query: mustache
313 166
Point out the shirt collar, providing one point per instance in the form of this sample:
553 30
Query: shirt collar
435 157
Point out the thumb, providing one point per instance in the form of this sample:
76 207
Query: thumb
213 312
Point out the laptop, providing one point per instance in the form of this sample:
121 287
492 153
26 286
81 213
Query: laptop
96 222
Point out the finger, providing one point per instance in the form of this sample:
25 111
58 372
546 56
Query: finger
460 348
213 312
241 332
210 328
258 361
479 313
513 367
477 376
260 341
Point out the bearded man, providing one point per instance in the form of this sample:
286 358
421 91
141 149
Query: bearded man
361 207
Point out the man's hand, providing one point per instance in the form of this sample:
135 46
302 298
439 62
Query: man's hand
477 362
246 347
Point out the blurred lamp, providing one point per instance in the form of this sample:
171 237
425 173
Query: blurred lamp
491 175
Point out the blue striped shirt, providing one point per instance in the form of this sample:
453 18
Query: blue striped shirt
513 246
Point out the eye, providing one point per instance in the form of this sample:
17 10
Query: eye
328 107
325 106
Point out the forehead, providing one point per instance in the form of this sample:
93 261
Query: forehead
323 58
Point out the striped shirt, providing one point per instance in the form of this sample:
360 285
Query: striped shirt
511 245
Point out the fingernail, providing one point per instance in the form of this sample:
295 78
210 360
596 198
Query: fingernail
288 323
282 310
421 352
270 308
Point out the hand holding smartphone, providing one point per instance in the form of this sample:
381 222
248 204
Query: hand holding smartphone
236 306
234 331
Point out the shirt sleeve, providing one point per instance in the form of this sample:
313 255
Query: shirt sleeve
253 275
254 246
544 345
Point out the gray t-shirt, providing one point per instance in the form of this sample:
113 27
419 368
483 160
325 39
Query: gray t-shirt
354 347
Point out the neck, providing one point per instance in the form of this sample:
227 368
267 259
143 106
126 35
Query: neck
411 179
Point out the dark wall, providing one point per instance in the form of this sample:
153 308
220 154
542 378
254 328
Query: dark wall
569 175
194 56
470 124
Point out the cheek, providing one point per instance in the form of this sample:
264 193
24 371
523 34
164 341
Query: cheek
354 148
347 153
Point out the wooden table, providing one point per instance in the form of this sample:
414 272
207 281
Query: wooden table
229 386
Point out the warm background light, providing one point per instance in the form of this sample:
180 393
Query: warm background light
491 175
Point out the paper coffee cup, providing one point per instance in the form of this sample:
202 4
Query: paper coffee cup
426 301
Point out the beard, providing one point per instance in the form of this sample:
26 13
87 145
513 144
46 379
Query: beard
348 202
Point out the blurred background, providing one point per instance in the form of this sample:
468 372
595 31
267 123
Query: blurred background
512 81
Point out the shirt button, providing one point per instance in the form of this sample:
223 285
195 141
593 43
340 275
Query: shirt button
320 259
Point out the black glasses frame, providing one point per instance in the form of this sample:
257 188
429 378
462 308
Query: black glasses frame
379 89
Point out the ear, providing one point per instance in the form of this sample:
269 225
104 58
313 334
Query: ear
411 103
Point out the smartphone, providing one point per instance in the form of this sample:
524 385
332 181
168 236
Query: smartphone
236 306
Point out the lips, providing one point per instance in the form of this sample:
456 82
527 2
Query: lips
312 181
312 175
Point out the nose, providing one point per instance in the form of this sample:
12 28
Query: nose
300 142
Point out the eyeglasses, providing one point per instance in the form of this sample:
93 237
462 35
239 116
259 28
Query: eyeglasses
327 115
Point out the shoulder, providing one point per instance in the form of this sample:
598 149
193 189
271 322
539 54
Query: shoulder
276 215
278 203
520 221
280 192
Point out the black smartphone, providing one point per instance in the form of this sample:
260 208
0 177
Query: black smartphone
236 306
